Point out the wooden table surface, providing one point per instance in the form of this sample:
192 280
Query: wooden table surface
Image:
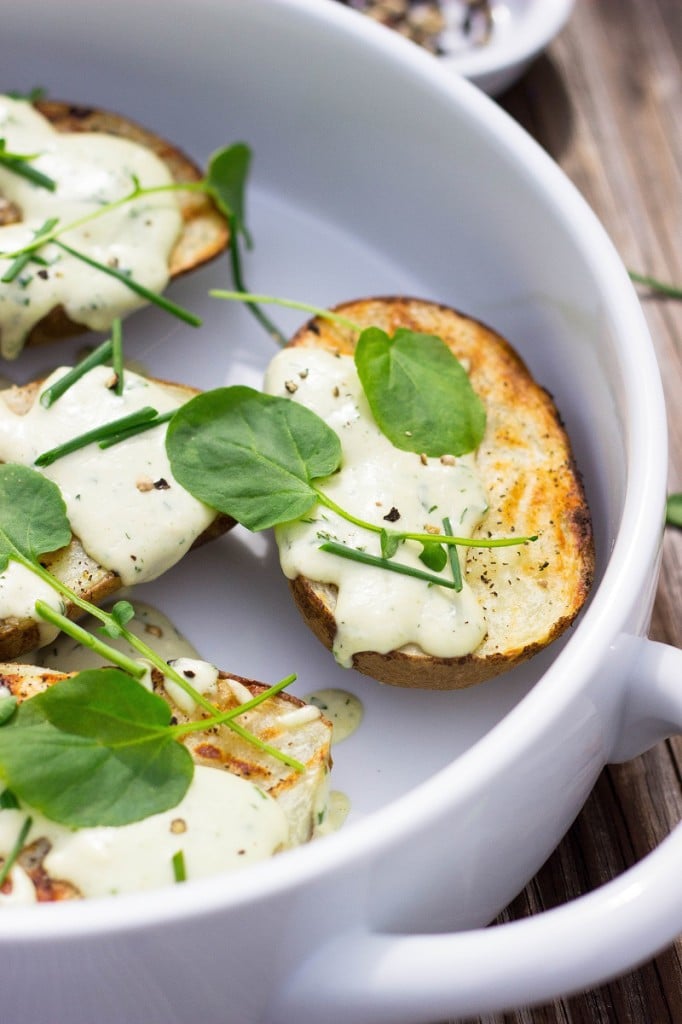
605 101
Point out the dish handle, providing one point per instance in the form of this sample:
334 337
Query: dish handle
377 978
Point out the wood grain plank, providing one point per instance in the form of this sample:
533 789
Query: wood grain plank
606 102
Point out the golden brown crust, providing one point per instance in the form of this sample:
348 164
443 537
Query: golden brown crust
530 593
205 231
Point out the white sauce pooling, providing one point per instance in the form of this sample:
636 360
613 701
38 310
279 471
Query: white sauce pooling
123 503
223 823
90 169
343 709
378 610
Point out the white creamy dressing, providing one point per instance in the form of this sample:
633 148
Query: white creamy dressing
343 709
90 169
378 610
122 502
223 823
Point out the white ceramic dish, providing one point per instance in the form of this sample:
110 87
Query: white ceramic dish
521 31
376 171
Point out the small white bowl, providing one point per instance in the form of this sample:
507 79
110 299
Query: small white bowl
521 31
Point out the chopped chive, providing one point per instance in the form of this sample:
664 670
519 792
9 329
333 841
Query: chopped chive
135 286
454 557
117 353
16 267
674 291
179 870
96 434
20 165
98 356
123 435
16 850
28 253
353 555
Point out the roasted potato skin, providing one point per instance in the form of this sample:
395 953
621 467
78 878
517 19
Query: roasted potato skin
532 593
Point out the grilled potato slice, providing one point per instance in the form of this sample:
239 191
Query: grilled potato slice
530 594
204 234
282 721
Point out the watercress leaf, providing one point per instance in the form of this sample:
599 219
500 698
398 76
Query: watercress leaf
94 749
419 393
8 801
121 614
434 556
226 177
32 514
390 543
7 708
251 456
674 510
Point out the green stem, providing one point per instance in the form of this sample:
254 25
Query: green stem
63 623
454 557
97 357
250 298
146 414
216 717
236 264
117 354
671 290
16 850
146 293
354 555
424 538
137 193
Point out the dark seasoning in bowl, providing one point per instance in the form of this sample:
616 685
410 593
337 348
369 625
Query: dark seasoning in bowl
441 28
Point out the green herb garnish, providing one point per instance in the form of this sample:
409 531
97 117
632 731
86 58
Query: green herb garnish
179 869
20 163
419 393
355 555
16 850
673 512
146 293
69 740
147 416
97 357
255 457
225 183
454 558
671 290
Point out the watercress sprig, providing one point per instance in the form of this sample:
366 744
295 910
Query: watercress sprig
99 749
274 450
33 521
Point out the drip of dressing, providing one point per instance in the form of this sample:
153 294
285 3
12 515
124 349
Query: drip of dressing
122 502
378 610
343 709
223 823
90 169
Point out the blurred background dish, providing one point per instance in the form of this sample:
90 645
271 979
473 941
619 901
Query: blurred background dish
489 42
